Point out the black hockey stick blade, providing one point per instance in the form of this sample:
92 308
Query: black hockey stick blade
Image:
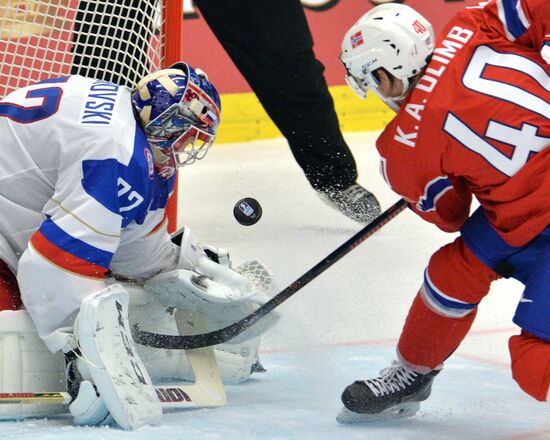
222 335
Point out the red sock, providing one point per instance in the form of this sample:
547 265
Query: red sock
531 364
429 338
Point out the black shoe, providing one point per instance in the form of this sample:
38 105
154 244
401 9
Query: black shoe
354 202
395 393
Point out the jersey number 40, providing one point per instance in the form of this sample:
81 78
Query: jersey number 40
523 139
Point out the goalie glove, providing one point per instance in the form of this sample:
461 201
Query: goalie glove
209 283
180 289
218 255
228 285
191 252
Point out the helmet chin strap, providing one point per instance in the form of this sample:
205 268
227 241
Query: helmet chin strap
406 85
389 101
394 102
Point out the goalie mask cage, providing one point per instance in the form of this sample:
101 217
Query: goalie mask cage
113 40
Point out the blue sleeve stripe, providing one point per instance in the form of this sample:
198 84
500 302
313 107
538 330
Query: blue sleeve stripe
74 246
435 189
513 21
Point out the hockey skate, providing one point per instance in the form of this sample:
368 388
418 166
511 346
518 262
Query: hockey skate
354 202
396 393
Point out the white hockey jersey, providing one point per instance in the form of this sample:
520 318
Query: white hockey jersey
79 196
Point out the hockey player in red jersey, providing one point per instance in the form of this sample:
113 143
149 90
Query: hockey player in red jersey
472 121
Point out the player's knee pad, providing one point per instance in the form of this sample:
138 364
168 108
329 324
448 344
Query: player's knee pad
456 280
26 365
531 365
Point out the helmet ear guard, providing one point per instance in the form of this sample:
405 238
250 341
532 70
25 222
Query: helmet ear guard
391 36
180 112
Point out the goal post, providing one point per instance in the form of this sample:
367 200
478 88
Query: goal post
113 40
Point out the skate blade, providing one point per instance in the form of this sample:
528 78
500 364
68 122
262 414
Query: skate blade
401 411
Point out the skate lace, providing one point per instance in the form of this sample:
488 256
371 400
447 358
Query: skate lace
392 379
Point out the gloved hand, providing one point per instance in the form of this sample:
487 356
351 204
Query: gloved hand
225 285
190 251
205 274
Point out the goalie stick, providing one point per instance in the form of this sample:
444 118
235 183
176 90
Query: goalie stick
207 390
170 396
225 334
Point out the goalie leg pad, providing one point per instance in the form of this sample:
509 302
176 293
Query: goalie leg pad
118 373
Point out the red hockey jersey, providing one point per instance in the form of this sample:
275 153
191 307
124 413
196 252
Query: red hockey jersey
478 123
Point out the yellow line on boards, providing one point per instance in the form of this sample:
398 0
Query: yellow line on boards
244 119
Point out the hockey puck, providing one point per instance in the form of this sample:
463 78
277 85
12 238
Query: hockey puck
247 211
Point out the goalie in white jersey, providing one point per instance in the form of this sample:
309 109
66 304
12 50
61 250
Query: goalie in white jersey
87 170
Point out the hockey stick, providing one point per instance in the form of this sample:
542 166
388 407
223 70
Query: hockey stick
225 334
170 396
208 389
56 398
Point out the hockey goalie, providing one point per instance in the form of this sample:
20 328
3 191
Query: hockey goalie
87 170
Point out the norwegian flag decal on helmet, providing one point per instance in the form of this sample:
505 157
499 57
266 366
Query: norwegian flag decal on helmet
357 39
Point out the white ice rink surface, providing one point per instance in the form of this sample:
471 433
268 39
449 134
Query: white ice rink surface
341 327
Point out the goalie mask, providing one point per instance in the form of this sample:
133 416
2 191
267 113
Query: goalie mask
391 36
180 112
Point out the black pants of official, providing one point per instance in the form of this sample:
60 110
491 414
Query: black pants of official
270 43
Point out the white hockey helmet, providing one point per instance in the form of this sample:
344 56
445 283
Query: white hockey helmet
390 36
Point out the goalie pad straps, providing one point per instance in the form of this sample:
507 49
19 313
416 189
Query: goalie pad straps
104 338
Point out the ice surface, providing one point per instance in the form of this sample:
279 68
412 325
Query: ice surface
341 327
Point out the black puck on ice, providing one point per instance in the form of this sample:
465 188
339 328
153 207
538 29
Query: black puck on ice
247 211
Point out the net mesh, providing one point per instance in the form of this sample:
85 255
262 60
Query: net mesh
112 40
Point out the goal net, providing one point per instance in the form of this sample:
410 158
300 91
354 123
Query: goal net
113 40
